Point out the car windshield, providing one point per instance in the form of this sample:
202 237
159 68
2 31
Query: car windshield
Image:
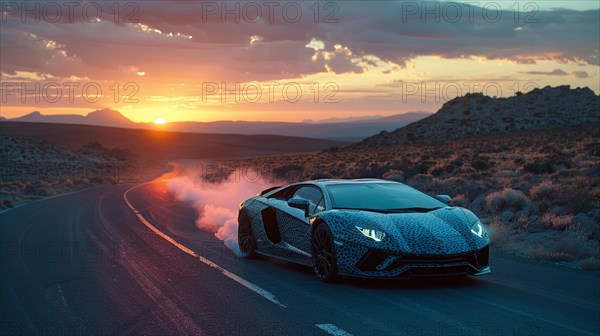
384 197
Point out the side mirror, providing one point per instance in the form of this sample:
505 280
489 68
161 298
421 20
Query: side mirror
444 198
300 203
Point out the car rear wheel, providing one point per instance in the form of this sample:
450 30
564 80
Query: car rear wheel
323 253
246 239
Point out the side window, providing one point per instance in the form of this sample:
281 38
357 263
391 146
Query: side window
281 194
314 196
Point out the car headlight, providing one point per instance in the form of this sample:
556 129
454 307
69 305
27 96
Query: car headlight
376 235
478 229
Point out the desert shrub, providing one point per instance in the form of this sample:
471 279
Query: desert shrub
460 200
576 246
97 179
500 235
480 165
539 167
456 163
564 246
394 175
96 146
285 172
544 194
30 189
450 168
581 194
466 170
544 253
590 264
424 166
121 154
556 222
44 191
422 180
592 148
437 171
453 185
544 190
320 175
507 199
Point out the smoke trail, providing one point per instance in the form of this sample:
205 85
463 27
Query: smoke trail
216 203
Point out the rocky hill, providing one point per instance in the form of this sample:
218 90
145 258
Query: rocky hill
347 130
476 115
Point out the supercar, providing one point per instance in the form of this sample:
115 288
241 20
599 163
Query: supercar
363 228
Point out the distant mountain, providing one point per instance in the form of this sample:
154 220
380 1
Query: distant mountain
479 115
108 117
351 129
164 145
104 117
342 119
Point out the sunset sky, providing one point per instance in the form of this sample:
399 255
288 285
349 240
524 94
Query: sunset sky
295 61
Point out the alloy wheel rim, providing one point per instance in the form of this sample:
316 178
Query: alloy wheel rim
245 237
322 252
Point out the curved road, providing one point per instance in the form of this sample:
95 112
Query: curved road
87 263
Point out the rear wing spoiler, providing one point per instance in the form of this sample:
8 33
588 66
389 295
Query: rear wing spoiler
268 190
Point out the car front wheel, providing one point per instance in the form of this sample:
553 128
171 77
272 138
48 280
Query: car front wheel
323 253
246 239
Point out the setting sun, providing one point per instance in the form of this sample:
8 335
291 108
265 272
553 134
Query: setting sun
160 121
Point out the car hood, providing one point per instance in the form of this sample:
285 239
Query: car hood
442 231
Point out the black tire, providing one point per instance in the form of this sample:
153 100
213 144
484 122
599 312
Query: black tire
246 238
322 248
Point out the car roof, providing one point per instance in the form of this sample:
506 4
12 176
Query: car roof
328 182
323 183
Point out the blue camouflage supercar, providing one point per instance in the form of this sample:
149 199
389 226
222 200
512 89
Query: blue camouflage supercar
363 228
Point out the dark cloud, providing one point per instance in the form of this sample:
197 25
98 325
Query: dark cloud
580 74
219 47
557 72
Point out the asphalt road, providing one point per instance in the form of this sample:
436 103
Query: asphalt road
87 264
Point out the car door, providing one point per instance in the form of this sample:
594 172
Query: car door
294 226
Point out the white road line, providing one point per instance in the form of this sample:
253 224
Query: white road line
333 330
260 291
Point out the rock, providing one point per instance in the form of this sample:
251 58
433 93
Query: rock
398 177
595 235
507 216
594 213
535 226
584 224
522 213
477 204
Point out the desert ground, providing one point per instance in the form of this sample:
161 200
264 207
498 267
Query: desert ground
537 191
